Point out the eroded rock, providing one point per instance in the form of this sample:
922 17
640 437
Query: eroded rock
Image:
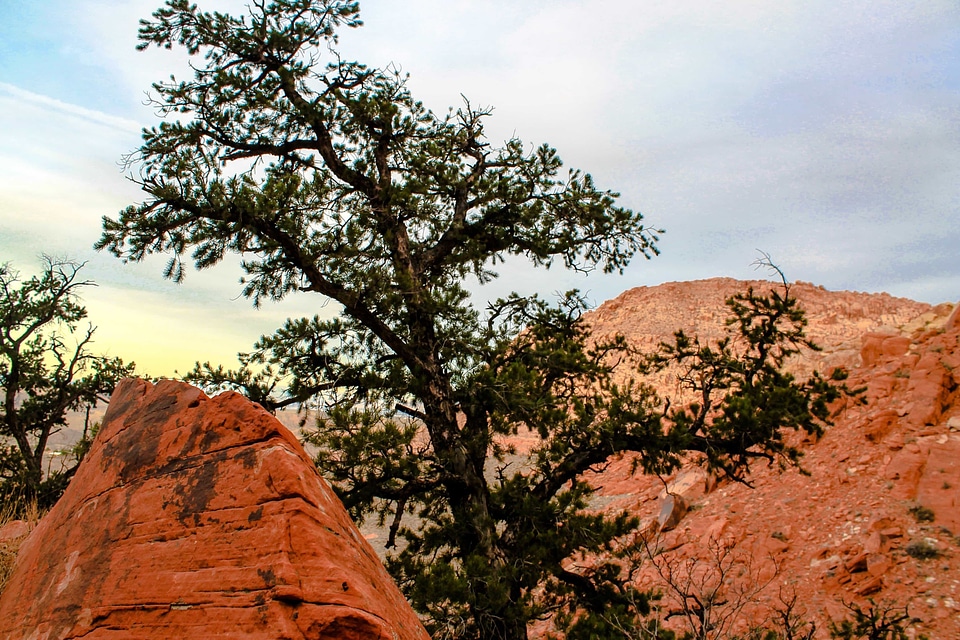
841 533
672 509
199 517
938 488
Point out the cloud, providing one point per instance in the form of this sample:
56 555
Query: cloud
35 100
59 171
822 131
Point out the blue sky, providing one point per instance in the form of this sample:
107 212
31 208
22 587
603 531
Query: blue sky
824 133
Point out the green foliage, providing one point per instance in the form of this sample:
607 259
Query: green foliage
46 370
923 550
873 622
82 447
747 400
329 178
922 513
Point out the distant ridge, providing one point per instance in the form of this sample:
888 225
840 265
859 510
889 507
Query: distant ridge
849 530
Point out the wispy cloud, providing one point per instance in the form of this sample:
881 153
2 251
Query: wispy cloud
77 111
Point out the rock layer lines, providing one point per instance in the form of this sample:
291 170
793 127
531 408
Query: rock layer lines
199 517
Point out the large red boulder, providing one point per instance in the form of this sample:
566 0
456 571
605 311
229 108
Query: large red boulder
197 517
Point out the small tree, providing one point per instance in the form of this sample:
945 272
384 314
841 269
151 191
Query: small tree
44 374
329 178
709 593
884 621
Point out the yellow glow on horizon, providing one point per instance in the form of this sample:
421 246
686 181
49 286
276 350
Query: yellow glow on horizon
166 334
160 339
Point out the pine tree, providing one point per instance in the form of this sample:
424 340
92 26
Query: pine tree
330 179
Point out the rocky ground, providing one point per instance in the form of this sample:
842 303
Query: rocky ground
877 515
849 528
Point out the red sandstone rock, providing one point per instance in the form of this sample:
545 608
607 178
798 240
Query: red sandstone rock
953 321
880 424
876 462
929 387
906 468
878 564
938 488
690 484
672 509
878 347
869 586
13 530
195 517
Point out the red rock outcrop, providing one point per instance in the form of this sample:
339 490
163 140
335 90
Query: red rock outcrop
197 517
877 517
837 319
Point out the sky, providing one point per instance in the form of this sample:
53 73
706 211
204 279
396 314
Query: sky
826 134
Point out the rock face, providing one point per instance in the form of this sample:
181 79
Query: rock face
877 517
195 517
837 319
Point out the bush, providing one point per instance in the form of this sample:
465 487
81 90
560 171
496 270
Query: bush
875 622
923 550
922 513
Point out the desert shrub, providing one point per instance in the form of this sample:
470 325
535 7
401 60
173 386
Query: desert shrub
922 513
883 621
923 550
18 509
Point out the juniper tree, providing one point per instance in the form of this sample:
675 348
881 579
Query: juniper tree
329 179
46 371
